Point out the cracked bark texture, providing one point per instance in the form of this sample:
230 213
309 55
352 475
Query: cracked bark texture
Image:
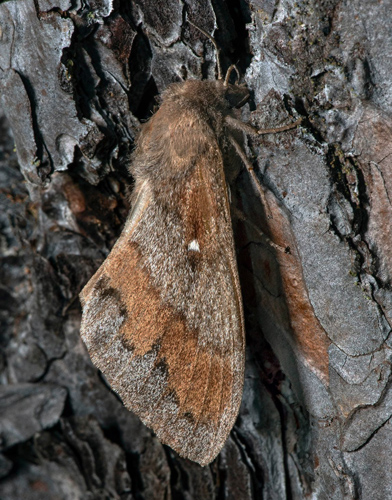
76 79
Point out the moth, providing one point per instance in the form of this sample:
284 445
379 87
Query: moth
162 316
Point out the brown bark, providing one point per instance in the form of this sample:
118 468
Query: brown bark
76 79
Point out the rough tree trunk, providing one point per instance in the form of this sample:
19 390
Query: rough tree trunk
76 77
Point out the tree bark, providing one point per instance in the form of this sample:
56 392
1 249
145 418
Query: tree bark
76 80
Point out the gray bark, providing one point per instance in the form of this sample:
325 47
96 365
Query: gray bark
76 79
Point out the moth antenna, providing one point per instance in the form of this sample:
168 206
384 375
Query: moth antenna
232 68
218 51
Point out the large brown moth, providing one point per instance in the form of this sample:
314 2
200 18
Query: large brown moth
162 316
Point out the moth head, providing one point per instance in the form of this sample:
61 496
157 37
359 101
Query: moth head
237 95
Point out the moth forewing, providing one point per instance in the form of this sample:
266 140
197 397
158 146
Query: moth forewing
162 317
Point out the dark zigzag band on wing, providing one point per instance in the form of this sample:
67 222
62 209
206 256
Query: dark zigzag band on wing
128 374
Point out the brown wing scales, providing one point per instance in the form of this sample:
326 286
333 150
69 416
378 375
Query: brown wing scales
156 331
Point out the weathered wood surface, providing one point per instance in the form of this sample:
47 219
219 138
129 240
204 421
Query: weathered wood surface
76 78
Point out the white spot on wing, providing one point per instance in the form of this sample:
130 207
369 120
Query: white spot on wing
194 245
